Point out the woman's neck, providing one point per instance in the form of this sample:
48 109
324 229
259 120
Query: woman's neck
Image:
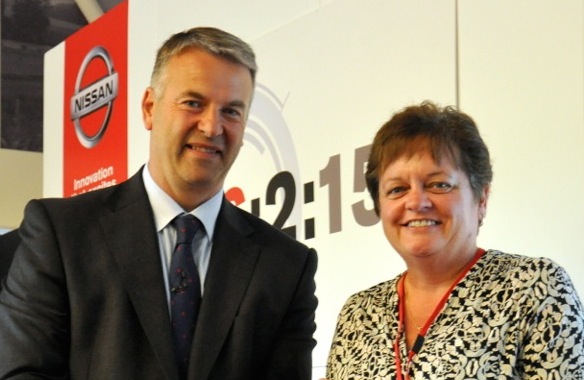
425 288
433 274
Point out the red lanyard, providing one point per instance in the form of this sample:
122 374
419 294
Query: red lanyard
419 342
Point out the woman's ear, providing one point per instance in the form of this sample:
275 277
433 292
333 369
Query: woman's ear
482 204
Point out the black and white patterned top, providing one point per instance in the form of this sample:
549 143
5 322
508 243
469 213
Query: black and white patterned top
511 317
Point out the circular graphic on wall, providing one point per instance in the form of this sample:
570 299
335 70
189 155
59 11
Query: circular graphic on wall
267 186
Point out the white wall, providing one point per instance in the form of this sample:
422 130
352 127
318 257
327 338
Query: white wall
331 72
20 180
521 77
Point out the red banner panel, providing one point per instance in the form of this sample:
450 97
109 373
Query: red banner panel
95 145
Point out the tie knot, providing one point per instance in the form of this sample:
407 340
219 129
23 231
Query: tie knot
186 228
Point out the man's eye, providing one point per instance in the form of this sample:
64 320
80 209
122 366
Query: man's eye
440 187
232 113
192 103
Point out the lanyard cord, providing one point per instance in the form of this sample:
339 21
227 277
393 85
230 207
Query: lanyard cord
419 342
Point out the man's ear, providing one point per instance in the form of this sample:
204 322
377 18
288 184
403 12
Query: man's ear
147 107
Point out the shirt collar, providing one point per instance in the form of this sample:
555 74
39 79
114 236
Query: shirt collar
165 208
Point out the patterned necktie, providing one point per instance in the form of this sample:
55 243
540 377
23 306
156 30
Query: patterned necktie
185 289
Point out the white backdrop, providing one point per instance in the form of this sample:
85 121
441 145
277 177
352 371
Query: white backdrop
331 72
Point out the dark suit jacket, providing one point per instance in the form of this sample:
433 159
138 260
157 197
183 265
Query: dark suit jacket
85 296
8 244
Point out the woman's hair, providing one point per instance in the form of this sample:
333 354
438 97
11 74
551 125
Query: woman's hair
428 127
211 40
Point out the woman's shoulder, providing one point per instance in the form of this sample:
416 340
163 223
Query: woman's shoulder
379 290
525 272
513 264
377 296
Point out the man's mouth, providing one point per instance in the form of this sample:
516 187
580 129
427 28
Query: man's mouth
204 149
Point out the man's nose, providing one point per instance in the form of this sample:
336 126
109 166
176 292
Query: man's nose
210 122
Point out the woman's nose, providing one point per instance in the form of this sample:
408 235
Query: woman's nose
417 200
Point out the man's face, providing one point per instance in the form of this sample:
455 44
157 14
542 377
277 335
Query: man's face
196 118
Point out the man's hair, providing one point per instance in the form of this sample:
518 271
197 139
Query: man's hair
211 40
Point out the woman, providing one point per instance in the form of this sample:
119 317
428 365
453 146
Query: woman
458 311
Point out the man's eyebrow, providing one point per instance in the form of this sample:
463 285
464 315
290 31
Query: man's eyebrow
193 94
237 103
234 103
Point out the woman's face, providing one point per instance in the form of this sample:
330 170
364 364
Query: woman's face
428 208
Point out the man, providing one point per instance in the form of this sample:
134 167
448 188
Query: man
8 243
89 294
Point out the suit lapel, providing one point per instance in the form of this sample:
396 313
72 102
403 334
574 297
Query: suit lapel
232 263
131 237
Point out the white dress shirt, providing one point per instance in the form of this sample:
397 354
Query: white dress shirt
165 210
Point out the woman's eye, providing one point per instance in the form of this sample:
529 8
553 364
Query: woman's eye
440 187
395 192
